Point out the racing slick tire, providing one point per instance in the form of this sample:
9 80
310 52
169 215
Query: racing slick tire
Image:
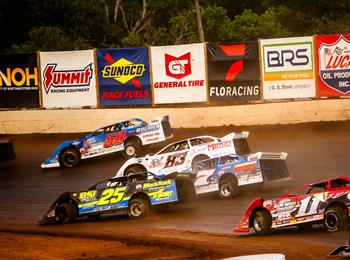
262 222
66 213
138 208
69 158
199 158
335 219
228 188
132 148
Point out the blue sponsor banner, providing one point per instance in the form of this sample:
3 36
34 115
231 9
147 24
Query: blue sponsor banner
124 77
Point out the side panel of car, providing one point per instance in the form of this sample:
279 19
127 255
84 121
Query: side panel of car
113 198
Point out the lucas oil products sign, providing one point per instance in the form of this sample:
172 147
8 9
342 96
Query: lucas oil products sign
68 79
124 77
233 71
179 74
19 81
288 68
333 64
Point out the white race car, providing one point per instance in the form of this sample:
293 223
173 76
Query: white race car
183 154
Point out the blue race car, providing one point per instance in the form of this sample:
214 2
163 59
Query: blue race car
225 174
135 192
128 136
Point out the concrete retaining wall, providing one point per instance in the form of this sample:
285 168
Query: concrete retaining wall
83 120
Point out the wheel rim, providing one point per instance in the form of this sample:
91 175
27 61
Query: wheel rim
226 190
331 221
69 158
258 223
136 209
130 150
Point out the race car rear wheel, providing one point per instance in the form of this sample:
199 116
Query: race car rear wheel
262 222
66 213
335 219
132 148
69 158
228 188
138 208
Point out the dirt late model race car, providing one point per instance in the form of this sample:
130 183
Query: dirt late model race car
135 192
127 136
180 155
226 174
326 202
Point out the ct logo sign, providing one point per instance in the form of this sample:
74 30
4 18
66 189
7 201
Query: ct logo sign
178 67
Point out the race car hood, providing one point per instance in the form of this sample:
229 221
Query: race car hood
50 216
53 160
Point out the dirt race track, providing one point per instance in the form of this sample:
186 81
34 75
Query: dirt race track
201 229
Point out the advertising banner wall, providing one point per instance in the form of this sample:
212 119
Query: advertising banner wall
68 79
19 81
179 74
333 65
288 68
124 77
233 71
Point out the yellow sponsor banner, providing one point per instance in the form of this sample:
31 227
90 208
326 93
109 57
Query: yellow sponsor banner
288 75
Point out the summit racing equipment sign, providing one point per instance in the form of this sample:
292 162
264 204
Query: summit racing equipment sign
233 71
68 79
333 64
288 68
124 77
179 74
19 81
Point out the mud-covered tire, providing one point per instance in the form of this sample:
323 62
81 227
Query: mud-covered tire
138 208
228 188
66 212
335 219
132 148
262 222
69 157
199 158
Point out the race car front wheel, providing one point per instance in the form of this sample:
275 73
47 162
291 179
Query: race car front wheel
262 222
66 213
138 208
69 158
132 149
336 218
227 188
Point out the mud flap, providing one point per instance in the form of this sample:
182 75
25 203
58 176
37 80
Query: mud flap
185 189
168 132
274 169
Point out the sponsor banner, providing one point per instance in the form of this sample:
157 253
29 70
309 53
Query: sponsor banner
288 68
68 79
333 65
233 71
179 74
19 81
124 77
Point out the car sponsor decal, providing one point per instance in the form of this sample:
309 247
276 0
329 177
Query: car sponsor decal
219 145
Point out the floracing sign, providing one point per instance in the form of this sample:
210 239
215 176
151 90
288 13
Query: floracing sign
333 65
179 74
68 79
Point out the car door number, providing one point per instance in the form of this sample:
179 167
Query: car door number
112 196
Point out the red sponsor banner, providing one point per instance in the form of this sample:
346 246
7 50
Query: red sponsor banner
333 65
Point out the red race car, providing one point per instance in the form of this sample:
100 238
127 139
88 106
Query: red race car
326 202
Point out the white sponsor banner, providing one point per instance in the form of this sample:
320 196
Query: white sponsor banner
179 74
68 79
288 68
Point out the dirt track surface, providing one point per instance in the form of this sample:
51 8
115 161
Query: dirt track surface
200 228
